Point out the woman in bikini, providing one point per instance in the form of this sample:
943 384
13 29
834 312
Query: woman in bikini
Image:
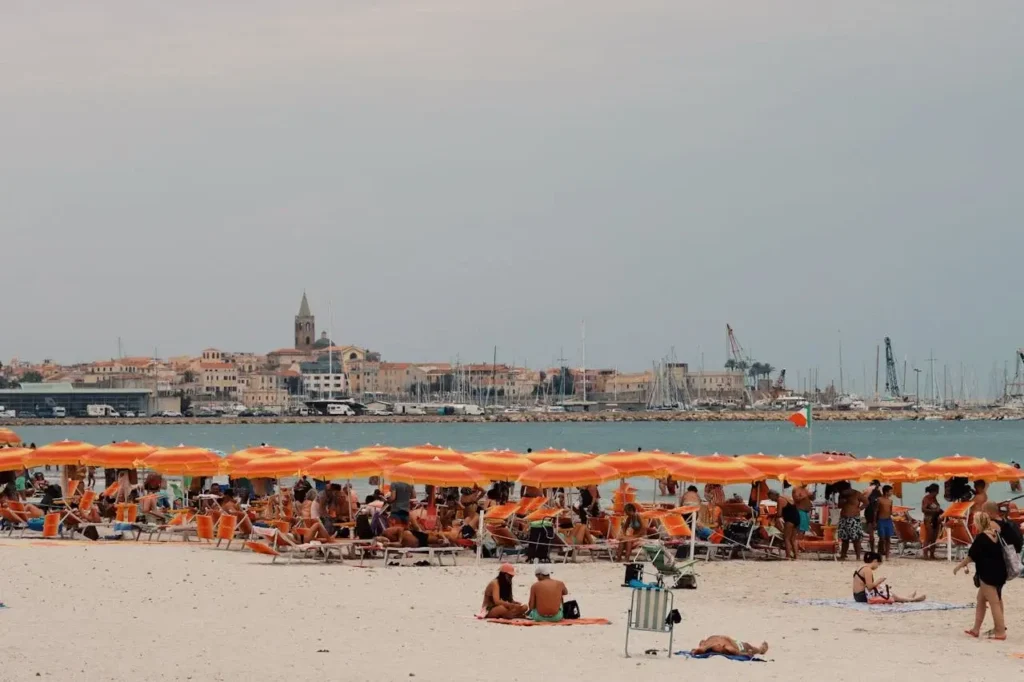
867 589
498 600
634 530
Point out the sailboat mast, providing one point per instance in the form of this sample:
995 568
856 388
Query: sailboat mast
583 334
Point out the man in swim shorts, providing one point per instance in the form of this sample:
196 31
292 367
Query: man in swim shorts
883 522
546 596
803 500
850 503
721 644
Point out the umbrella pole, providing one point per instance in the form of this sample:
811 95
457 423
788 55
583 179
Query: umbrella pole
693 536
479 534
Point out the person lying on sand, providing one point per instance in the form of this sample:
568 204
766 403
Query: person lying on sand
498 600
866 585
722 644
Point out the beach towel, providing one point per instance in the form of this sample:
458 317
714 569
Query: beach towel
638 585
882 608
731 657
525 622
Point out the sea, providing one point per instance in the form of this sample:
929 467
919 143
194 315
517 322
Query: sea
1001 441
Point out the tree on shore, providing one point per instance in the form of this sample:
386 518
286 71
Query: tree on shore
31 377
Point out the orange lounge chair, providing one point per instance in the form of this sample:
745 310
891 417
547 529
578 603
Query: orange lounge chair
226 529
15 521
907 537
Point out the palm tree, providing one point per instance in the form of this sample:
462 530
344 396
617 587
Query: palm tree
730 364
767 369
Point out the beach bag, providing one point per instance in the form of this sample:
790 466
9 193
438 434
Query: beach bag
571 610
1012 559
634 571
687 581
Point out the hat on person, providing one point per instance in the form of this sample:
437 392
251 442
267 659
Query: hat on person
507 568
542 569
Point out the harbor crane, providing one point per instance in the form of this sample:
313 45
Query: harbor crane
892 385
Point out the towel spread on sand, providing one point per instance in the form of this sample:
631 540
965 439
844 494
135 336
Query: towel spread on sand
529 623
882 608
731 657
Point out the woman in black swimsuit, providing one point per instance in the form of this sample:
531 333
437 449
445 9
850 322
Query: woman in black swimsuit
791 522
866 587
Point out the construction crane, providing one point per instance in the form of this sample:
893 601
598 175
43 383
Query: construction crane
779 387
892 385
738 356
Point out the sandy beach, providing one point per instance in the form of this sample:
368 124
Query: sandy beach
174 611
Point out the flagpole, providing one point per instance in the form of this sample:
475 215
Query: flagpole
810 432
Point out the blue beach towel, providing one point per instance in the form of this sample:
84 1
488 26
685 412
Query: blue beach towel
737 657
637 585
882 608
35 524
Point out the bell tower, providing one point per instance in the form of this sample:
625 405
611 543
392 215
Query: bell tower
305 326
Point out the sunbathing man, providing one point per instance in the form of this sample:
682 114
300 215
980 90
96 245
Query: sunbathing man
546 596
721 644
866 585
228 505
10 494
498 600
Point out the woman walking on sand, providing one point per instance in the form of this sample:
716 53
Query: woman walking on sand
989 576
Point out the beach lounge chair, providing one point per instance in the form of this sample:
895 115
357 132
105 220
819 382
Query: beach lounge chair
226 529
665 564
204 528
907 538
15 521
505 542
650 609
397 554
955 532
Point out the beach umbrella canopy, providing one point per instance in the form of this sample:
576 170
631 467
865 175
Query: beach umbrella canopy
715 469
422 453
242 457
8 437
61 453
499 465
121 455
353 465
272 466
13 459
772 466
629 464
1006 472
895 470
184 460
827 456
564 473
826 471
553 454
437 472
318 453
956 465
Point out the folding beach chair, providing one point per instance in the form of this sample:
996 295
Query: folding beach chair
226 529
650 610
15 520
955 532
907 538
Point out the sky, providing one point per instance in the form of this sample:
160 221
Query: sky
454 175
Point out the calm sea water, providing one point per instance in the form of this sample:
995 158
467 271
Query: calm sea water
1000 441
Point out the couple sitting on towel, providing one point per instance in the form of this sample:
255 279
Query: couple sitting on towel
545 596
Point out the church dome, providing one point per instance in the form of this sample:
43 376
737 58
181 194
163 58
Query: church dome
323 341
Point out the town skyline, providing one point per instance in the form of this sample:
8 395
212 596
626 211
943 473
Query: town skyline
476 176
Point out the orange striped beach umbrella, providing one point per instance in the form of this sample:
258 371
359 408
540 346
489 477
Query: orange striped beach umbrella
568 473
61 453
318 453
1006 473
13 459
347 466
243 457
826 471
629 464
423 453
553 454
715 468
183 460
121 455
499 465
439 473
956 465
895 470
9 437
273 466
772 466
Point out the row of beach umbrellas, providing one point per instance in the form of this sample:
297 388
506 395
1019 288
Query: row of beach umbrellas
436 465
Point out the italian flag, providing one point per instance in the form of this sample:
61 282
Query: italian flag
801 419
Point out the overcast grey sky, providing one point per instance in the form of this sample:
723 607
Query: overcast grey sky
456 174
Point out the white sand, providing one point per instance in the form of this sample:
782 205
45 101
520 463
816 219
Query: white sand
178 612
